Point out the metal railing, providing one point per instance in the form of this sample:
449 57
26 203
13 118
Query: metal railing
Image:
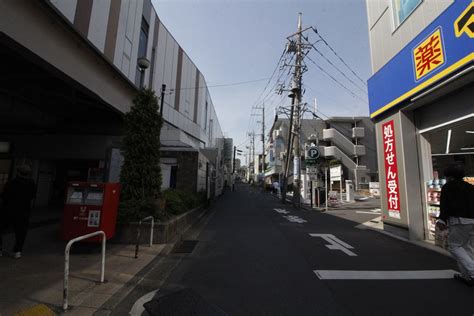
139 233
66 263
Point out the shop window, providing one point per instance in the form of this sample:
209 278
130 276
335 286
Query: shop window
402 9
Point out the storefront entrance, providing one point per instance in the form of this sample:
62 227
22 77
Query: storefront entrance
450 144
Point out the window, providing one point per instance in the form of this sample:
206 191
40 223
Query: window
205 118
402 9
142 48
211 125
142 45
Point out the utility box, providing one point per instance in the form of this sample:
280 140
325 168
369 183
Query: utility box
90 207
350 193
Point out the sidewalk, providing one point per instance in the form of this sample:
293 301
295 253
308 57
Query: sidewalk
366 203
37 278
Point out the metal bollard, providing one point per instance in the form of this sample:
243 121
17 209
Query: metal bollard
137 246
66 263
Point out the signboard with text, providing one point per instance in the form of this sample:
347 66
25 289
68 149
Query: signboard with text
335 173
443 48
391 170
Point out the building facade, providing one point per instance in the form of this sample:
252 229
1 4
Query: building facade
421 99
348 140
69 72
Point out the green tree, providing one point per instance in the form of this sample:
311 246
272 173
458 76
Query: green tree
141 172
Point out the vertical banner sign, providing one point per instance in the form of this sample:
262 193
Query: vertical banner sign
391 170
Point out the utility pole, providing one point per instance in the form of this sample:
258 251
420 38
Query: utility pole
263 140
263 145
233 161
252 151
298 74
163 89
289 152
298 48
296 89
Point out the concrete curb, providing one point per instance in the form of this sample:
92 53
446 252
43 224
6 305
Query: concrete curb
135 281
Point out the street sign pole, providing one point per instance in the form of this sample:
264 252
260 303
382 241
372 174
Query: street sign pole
327 194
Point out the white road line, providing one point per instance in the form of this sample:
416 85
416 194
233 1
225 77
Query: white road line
137 308
281 211
374 211
295 219
384 275
367 212
336 244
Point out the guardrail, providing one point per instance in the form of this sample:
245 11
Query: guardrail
139 233
66 263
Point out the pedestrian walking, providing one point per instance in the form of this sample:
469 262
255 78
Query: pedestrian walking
457 215
16 207
276 187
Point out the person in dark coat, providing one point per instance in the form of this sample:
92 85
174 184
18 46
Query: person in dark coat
16 199
457 215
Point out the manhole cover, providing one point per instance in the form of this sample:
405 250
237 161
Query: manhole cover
186 246
182 303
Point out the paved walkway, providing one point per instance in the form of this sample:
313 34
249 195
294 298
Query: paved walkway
37 278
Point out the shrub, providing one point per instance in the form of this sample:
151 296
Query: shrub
141 173
178 202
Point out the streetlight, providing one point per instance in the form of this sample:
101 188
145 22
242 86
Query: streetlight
143 64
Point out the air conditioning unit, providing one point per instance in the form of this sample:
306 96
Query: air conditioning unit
283 155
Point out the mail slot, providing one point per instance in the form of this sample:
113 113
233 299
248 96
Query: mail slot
90 207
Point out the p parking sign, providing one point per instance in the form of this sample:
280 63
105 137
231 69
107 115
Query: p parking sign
312 155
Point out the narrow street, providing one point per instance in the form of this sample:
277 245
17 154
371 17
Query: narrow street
255 256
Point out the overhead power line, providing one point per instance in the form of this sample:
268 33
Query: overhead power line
258 99
337 81
337 68
340 58
222 85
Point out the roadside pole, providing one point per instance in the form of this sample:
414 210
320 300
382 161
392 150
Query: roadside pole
340 186
327 193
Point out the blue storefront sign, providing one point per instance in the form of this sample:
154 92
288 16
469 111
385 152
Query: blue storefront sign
444 47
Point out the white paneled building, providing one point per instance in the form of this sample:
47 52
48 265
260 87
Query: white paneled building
70 72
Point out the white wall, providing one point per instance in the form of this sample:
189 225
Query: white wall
66 7
98 23
386 40
166 63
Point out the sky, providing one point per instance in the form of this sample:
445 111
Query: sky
234 41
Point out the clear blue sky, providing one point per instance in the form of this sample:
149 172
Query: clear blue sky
240 40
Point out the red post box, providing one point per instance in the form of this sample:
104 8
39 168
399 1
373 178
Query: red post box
90 207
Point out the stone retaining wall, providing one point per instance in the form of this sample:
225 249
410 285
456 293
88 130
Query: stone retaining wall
164 232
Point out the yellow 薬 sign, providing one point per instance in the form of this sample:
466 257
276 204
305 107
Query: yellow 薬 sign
428 55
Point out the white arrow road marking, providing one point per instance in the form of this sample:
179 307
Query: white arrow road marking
137 308
281 211
295 219
384 275
336 243
374 211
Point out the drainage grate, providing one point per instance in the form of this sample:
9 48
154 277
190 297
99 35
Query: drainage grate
186 246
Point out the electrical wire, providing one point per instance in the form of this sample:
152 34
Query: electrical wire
340 58
223 85
335 80
251 125
335 67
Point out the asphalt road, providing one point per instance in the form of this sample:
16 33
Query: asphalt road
251 259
